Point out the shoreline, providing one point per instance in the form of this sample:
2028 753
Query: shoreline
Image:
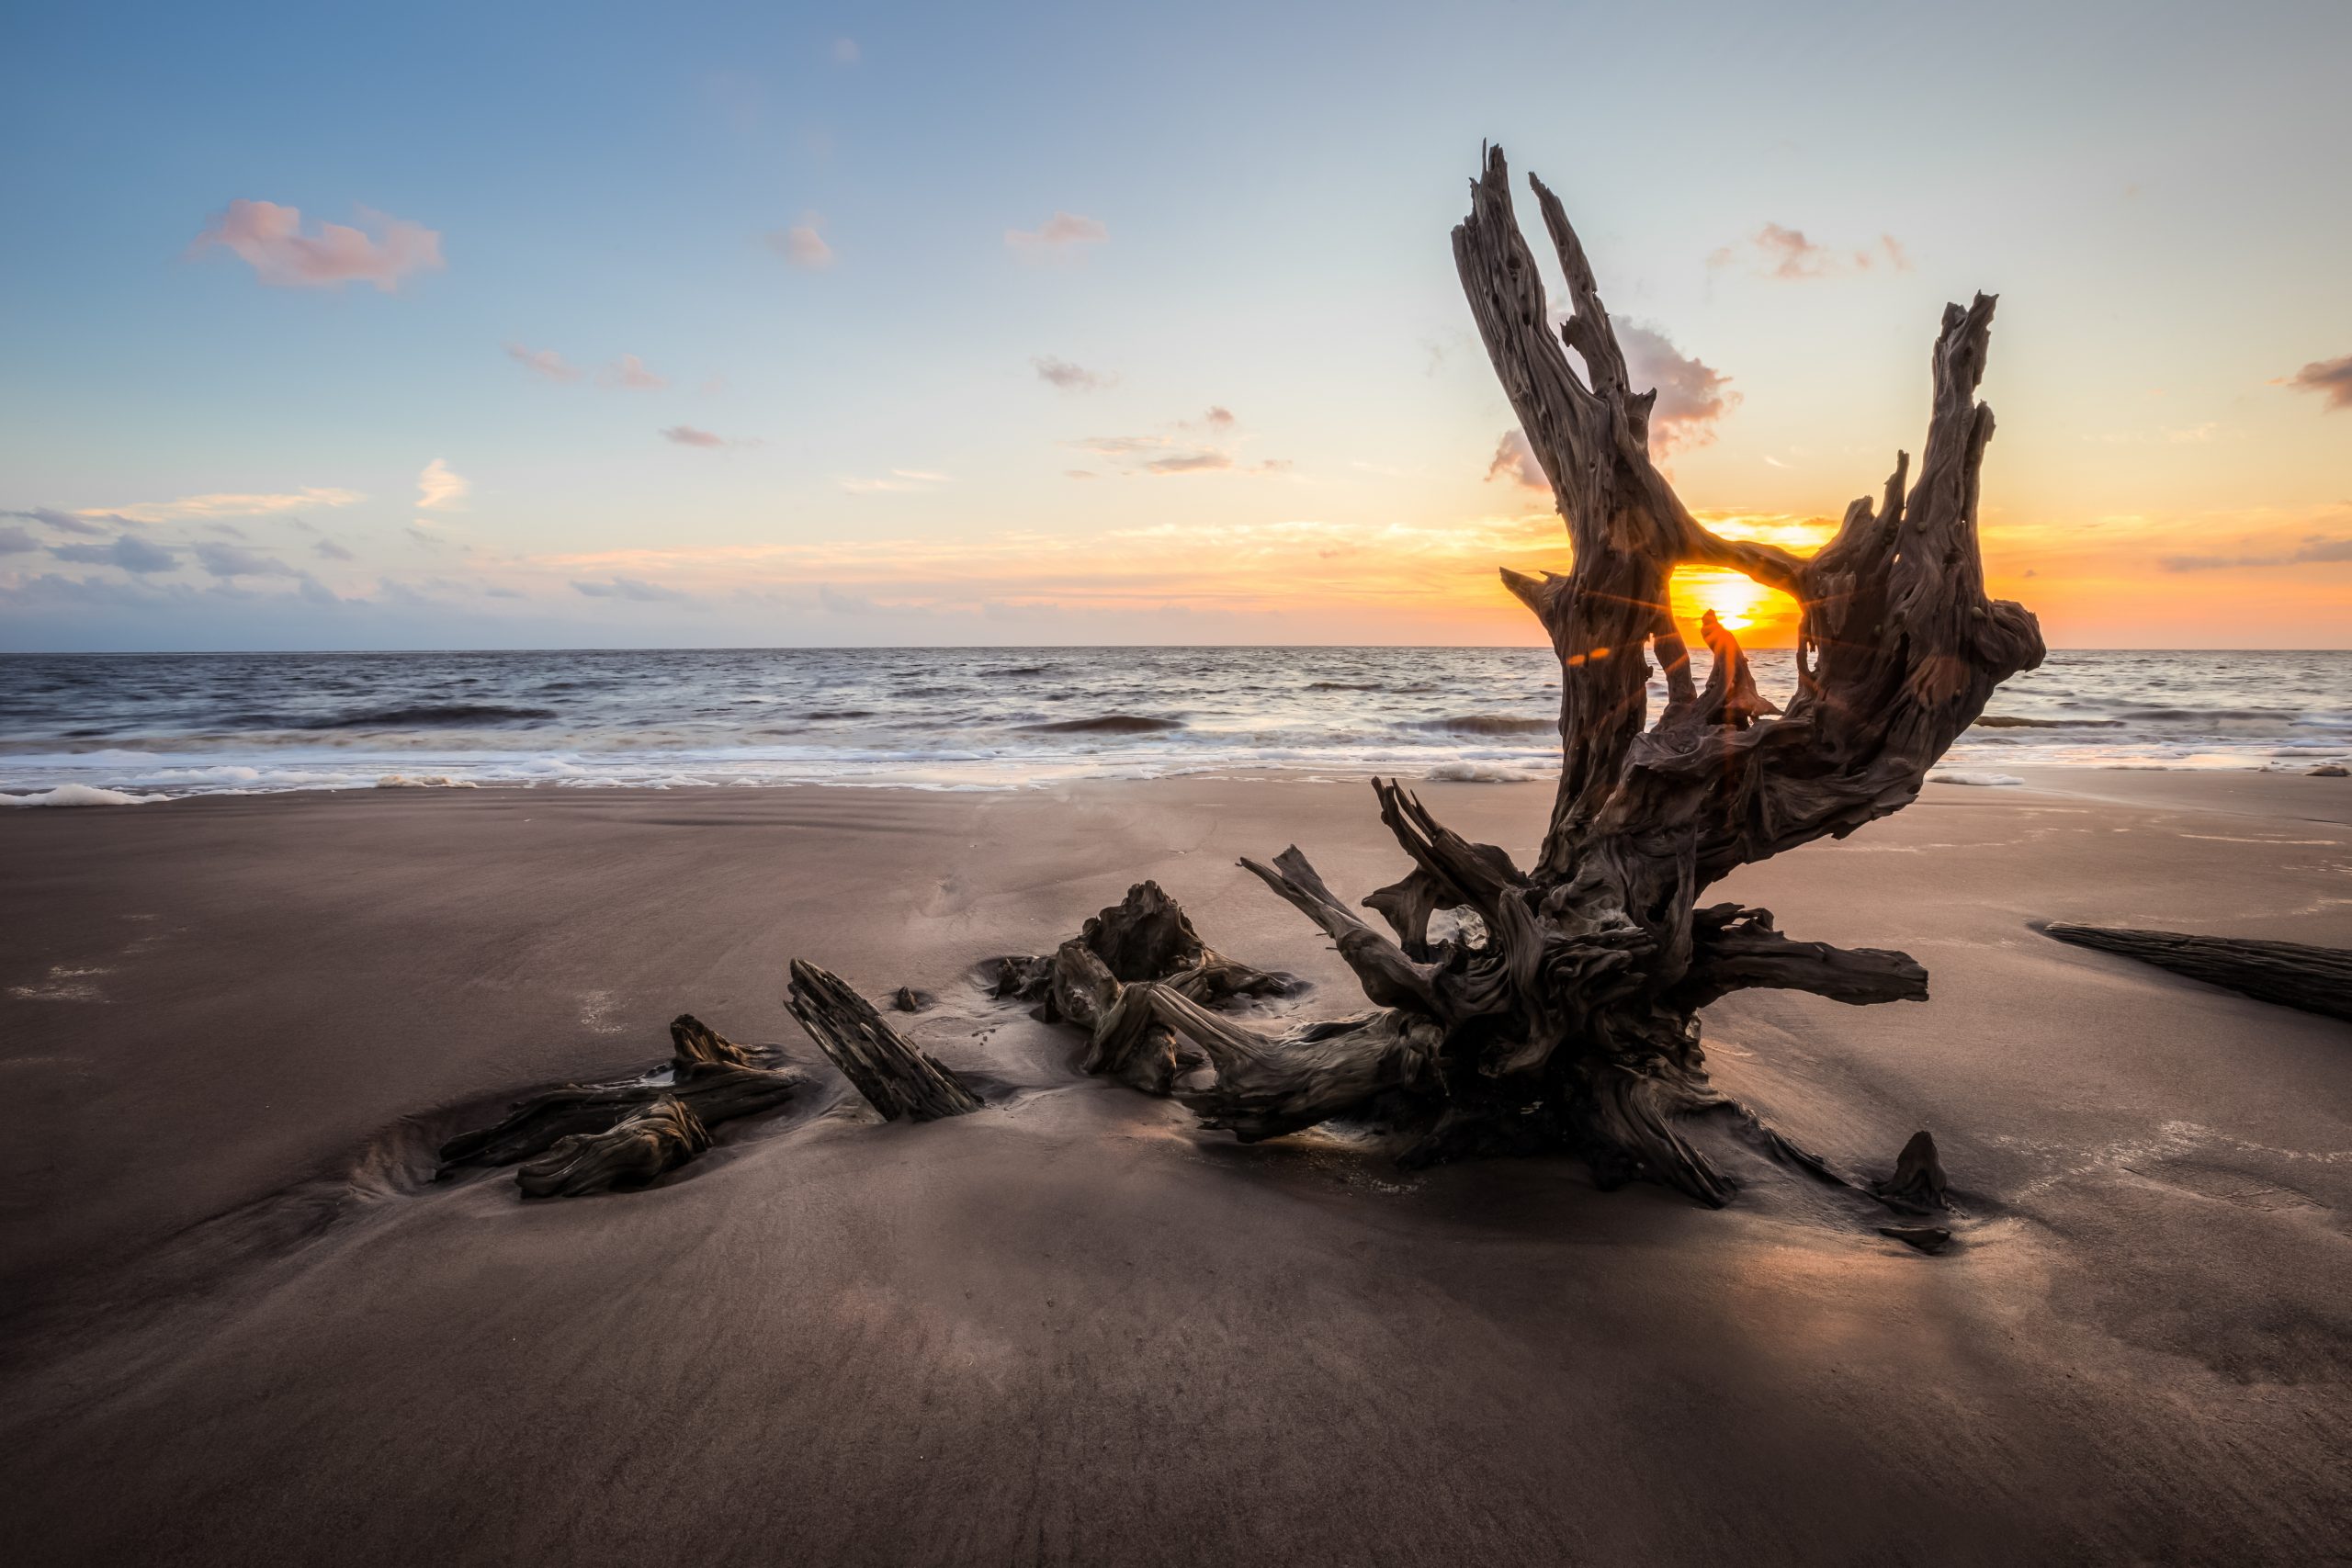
1055 1330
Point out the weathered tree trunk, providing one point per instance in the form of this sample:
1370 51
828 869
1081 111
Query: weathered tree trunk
1565 1013
2291 973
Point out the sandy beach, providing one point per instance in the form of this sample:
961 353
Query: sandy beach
242 1329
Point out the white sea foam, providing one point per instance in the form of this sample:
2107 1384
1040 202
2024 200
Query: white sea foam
78 795
1969 776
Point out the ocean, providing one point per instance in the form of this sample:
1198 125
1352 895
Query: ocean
996 718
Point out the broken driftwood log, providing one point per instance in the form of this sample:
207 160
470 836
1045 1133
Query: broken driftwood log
895 1078
1556 1005
631 1152
708 1075
2291 973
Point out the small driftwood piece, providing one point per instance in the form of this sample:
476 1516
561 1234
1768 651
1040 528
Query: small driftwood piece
1918 1180
708 1075
1556 1006
631 1152
2291 973
1146 939
895 1078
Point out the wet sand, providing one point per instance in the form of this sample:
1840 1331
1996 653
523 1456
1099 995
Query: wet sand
1072 1329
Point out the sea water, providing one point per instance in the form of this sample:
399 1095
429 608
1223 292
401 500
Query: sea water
987 718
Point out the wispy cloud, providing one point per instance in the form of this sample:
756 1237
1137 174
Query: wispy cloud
236 560
2315 550
2331 378
129 552
1200 445
15 541
1063 234
330 551
1790 256
202 507
635 589
438 489
269 239
544 362
897 479
802 244
65 521
630 374
1071 378
687 436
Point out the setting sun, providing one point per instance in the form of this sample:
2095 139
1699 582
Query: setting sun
1741 604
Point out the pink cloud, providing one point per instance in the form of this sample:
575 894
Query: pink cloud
687 436
1514 460
544 362
631 373
269 239
802 245
1059 236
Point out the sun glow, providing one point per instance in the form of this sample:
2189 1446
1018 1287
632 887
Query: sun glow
1742 606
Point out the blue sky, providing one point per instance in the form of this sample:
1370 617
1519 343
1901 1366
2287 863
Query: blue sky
1285 428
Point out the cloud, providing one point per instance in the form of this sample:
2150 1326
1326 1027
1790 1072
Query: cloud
1691 395
2315 550
1166 454
129 552
635 589
203 507
65 521
802 245
687 436
846 51
1787 254
15 542
269 238
1071 378
898 480
333 552
2331 378
544 362
1514 460
1060 235
236 560
630 374
438 489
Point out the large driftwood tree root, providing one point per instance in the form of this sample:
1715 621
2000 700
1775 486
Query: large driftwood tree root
2291 973
708 1080
895 1078
1556 1006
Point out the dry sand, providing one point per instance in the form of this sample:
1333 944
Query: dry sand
1071 1329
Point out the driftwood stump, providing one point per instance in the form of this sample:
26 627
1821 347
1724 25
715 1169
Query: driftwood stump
1557 1007
631 1152
708 1078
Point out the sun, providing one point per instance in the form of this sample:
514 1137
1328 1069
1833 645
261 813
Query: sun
1739 603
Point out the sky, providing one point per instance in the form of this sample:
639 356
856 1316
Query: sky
515 325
